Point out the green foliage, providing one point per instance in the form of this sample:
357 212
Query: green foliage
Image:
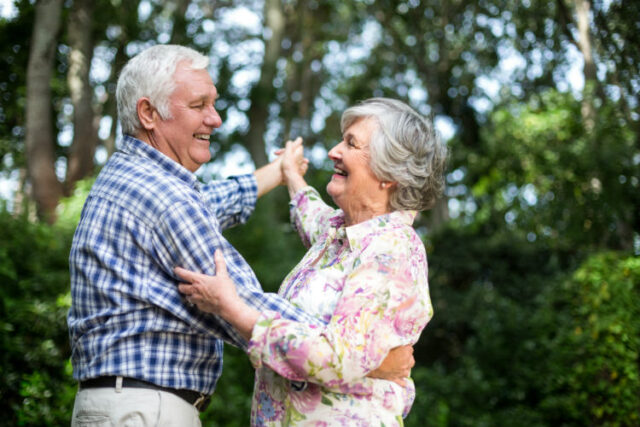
539 171
35 386
518 336
231 403
594 357
522 337
479 359
14 54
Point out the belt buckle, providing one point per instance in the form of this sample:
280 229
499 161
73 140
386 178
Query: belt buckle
199 401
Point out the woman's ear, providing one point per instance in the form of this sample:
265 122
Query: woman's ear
388 184
146 113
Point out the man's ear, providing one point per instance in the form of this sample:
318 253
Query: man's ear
147 114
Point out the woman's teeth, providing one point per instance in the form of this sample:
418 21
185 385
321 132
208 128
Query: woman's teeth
340 172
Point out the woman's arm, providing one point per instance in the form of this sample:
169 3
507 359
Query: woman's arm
292 174
382 307
217 294
309 214
384 304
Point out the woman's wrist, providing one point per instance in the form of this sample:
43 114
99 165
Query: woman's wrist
242 317
295 182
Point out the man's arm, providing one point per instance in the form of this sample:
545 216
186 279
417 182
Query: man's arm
396 366
268 177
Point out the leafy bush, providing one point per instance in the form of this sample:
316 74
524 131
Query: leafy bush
536 346
594 356
35 386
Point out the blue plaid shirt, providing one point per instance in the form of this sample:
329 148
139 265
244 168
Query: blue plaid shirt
145 215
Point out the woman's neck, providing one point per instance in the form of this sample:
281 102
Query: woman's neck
356 216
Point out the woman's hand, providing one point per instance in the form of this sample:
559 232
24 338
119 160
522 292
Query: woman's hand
217 294
294 165
293 161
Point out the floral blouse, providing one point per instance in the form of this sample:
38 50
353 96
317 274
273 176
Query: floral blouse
369 282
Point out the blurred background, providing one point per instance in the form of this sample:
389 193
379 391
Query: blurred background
534 250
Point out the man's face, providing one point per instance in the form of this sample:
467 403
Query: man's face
185 136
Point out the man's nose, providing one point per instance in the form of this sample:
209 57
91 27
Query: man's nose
212 118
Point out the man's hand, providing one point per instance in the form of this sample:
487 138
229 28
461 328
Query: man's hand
396 366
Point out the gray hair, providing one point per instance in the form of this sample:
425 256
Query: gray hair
150 74
406 149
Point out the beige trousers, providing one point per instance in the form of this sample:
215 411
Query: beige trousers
132 407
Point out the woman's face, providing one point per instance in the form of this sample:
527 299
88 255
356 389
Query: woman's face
353 186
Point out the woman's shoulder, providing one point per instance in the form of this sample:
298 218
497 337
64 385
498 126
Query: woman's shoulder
400 237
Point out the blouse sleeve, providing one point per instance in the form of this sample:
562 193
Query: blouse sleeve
310 215
385 303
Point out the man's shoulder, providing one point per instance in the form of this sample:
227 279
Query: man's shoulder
133 183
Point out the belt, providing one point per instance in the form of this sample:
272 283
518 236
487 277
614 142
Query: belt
199 400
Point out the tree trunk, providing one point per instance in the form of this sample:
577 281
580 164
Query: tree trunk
583 8
39 139
263 92
179 31
85 123
110 105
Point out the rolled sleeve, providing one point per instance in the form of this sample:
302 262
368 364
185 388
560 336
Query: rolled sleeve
231 200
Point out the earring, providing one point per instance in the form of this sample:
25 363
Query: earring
384 185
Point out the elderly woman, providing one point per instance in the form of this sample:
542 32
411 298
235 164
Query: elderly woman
365 273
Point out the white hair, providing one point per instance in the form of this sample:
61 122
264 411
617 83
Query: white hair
405 149
150 74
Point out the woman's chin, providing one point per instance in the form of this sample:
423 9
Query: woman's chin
332 189
335 192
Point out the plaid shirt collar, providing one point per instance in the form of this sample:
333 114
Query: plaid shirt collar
139 148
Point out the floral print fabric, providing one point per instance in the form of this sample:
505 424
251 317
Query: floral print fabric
369 282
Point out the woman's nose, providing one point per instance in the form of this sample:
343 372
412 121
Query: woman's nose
334 153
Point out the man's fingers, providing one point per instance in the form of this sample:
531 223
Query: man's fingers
221 266
401 382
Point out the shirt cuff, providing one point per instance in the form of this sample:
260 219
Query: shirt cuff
295 200
248 186
259 337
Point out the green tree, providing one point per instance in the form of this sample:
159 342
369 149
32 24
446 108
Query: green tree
540 171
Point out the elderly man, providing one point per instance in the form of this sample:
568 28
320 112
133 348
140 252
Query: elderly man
142 355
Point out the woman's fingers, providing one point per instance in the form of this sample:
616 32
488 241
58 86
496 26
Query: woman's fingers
186 275
186 288
221 266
